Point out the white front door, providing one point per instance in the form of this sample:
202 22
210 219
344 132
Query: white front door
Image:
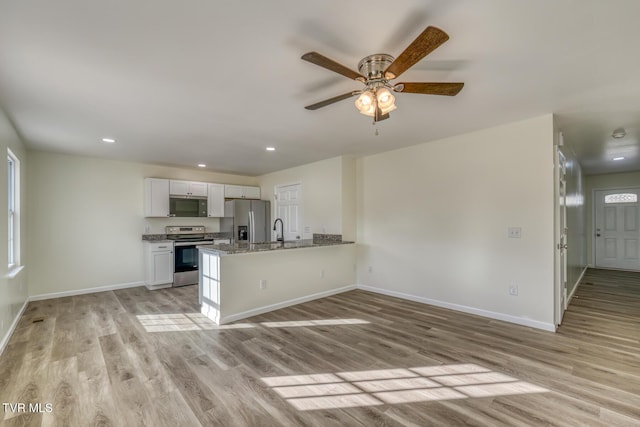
289 208
617 228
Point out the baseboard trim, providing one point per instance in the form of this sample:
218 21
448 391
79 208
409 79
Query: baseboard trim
14 325
283 304
463 308
52 295
575 287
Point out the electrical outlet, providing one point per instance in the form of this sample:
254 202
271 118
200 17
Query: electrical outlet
514 232
322 274
513 290
263 284
370 269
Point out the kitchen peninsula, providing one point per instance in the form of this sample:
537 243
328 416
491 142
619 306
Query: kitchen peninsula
246 279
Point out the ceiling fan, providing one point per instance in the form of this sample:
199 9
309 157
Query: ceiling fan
376 71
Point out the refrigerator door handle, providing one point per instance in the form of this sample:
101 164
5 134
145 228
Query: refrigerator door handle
253 227
250 231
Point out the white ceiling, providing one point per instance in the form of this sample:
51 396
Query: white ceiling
216 82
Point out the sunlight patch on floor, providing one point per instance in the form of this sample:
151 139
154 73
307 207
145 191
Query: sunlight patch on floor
196 322
184 322
395 386
320 322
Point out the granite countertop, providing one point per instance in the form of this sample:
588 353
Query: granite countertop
243 248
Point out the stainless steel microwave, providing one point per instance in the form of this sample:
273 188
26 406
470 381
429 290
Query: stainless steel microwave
188 207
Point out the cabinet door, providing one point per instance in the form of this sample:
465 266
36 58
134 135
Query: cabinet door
156 198
179 188
198 189
252 192
233 191
215 202
162 267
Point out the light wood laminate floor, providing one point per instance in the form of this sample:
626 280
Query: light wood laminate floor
134 357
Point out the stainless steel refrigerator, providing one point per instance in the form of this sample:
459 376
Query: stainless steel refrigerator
248 221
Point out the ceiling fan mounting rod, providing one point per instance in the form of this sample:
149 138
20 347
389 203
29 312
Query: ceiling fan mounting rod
374 66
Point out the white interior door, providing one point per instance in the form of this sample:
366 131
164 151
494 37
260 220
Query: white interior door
289 208
617 229
562 232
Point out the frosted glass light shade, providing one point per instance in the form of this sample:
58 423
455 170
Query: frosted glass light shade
365 102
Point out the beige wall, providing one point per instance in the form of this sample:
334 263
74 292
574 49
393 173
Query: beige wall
13 288
349 198
433 219
603 182
328 188
86 218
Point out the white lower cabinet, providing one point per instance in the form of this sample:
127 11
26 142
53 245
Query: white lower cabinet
158 269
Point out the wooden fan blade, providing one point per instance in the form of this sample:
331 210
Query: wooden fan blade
330 64
449 89
426 43
330 101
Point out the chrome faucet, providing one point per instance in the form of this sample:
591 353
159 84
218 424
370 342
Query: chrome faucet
281 238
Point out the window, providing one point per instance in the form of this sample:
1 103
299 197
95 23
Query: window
621 198
13 167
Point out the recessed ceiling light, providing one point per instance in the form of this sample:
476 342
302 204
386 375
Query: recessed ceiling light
618 158
619 133
271 148
108 140
202 165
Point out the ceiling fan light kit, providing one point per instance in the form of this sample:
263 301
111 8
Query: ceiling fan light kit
375 72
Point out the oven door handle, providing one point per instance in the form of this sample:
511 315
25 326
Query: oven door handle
204 242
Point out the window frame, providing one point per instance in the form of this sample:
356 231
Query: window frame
13 209
620 198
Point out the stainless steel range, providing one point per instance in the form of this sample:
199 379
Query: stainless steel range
185 265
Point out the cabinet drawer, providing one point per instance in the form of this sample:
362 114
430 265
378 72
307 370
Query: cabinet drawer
161 247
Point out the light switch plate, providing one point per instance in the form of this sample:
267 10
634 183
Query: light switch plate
514 232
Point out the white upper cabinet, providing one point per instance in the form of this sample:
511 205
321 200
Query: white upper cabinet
198 189
215 200
188 188
156 197
252 192
241 192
